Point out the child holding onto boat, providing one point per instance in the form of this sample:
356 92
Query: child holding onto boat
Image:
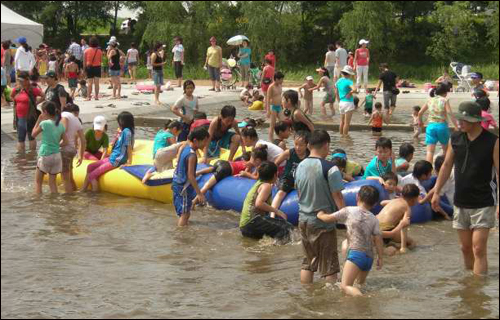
385 160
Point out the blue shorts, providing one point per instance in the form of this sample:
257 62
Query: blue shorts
361 260
216 145
183 199
158 78
437 132
114 73
276 109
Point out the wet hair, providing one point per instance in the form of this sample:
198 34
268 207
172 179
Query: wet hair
267 171
325 72
199 134
484 102
417 108
405 150
438 163
200 116
319 138
53 58
71 59
369 195
440 90
268 61
126 121
279 75
341 163
422 168
188 83
93 42
281 127
338 150
331 47
52 109
83 82
410 191
260 153
378 105
173 124
303 135
383 143
228 112
390 176
292 96
246 156
250 133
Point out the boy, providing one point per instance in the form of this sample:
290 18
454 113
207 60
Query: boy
184 185
307 95
395 218
258 103
384 162
362 229
352 169
255 222
390 183
406 152
273 101
319 185
83 90
377 120
283 131
417 125
368 103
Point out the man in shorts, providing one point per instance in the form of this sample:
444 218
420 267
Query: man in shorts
389 80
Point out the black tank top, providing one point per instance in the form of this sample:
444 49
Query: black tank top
298 125
219 133
159 59
475 173
116 61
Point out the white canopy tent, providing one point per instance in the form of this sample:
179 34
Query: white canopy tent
14 26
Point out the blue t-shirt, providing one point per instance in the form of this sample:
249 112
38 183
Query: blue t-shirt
245 61
344 87
181 172
119 154
161 141
377 169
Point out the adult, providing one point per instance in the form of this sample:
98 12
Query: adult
214 63
245 55
178 59
76 50
85 46
25 112
389 80
92 66
55 92
75 137
24 59
7 61
437 127
115 70
157 62
474 154
361 63
330 61
340 59
345 96
446 79
133 61
271 57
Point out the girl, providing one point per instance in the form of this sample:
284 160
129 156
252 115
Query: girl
185 108
49 161
53 63
97 139
121 154
300 121
258 156
329 97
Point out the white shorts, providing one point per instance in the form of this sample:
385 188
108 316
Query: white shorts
164 157
346 107
50 164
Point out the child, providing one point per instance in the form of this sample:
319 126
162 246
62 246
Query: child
327 82
422 171
384 162
53 64
121 154
72 71
395 218
377 120
293 158
406 152
273 101
489 121
307 95
257 104
341 164
83 90
49 161
200 120
96 139
186 107
185 187
300 121
257 157
362 229
247 94
368 103
283 131
449 187
251 140
352 169
255 222
417 125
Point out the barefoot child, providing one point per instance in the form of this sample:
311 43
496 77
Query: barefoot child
406 152
417 125
362 230
258 156
327 82
185 108
83 91
72 71
283 131
307 95
353 169
368 103
300 121
384 162
273 101
377 120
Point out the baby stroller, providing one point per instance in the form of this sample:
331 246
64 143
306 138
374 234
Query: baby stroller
229 74
463 76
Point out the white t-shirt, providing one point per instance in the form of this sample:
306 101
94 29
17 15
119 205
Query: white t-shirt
132 55
74 125
449 189
273 151
410 179
177 51
330 59
187 107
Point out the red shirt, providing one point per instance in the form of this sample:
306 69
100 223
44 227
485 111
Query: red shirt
351 62
362 56
3 54
238 167
200 123
93 57
23 101
272 58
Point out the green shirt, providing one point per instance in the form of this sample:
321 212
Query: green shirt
51 138
93 145
369 101
249 210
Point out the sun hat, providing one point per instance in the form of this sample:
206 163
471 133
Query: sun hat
363 41
348 70
470 111
99 123
309 78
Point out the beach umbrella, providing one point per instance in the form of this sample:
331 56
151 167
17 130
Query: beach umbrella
237 40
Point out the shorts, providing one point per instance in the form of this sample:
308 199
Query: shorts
132 64
369 109
214 73
470 219
222 170
114 73
68 155
329 98
276 109
390 100
320 250
186 129
261 226
287 184
437 132
178 66
94 72
363 261
216 145
158 77
346 107
50 164
245 73
164 158
183 199
24 128
377 129
73 83
331 71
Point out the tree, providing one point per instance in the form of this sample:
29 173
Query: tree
493 15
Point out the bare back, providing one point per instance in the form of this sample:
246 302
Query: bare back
393 212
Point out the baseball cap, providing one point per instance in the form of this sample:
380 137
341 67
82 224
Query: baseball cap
476 75
21 40
348 70
309 78
51 74
99 123
470 111
363 41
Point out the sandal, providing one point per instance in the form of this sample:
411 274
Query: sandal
211 89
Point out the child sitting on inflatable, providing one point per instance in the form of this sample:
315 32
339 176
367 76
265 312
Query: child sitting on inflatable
257 103
96 139
395 218
384 162
362 229
283 131
259 155
255 221
352 169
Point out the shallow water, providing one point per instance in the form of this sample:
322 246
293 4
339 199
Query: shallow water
104 256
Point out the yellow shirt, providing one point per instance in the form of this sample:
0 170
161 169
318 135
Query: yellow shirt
257 105
214 56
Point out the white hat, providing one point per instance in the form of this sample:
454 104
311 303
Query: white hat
309 78
348 70
363 41
99 123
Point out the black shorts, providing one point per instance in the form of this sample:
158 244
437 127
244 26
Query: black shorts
287 185
222 170
261 226
377 130
178 69
93 72
80 64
